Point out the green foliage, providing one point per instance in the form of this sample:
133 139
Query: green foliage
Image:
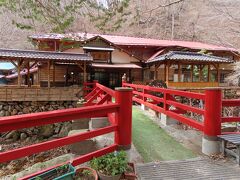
111 164
59 15
38 178
86 172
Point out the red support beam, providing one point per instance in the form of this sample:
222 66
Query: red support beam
38 119
89 156
123 136
41 147
230 102
213 112
230 119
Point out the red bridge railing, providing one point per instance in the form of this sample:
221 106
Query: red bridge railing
145 95
211 110
101 106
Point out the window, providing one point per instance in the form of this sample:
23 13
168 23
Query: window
100 56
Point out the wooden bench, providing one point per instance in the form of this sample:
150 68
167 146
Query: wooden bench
230 144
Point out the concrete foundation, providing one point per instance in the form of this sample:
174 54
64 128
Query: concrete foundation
99 122
80 124
166 120
210 146
143 107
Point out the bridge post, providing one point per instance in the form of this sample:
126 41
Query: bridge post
123 136
212 121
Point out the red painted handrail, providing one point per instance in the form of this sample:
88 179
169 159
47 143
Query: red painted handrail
231 103
212 100
44 146
142 93
43 118
119 114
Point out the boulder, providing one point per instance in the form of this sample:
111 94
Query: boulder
82 147
46 131
13 135
14 112
23 136
2 113
26 110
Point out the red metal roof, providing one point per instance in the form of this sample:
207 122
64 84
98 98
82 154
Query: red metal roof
135 41
104 65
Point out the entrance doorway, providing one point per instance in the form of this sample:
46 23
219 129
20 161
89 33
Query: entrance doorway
109 79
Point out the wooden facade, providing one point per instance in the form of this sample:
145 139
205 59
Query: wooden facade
14 93
117 59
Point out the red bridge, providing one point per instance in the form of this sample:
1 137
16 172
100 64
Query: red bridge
100 103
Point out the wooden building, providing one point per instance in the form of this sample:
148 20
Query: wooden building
63 60
38 74
189 69
115 55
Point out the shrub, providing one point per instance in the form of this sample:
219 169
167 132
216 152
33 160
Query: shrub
111 164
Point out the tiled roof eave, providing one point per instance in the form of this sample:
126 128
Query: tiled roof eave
11 54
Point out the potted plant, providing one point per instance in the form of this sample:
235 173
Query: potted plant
130 173
86 173
110 166
63 172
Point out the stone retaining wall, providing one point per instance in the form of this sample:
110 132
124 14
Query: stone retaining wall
17 108
34 133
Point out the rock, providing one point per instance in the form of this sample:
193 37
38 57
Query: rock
26 110
1 107
57 128
5 107
14 135
46 131
2 113
66 127
14 112
23 136
35 131
82 147
7 113
18 108
28 139
50 109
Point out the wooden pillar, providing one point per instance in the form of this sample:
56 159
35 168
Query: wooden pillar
19 72
53 63
200 72
130 75
167 73
49 83
156 72
209 73
28 74
179 72
218 74
191 72
84 72
110 57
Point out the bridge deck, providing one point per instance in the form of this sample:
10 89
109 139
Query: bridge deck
198 168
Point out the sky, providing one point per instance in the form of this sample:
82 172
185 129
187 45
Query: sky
6 65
